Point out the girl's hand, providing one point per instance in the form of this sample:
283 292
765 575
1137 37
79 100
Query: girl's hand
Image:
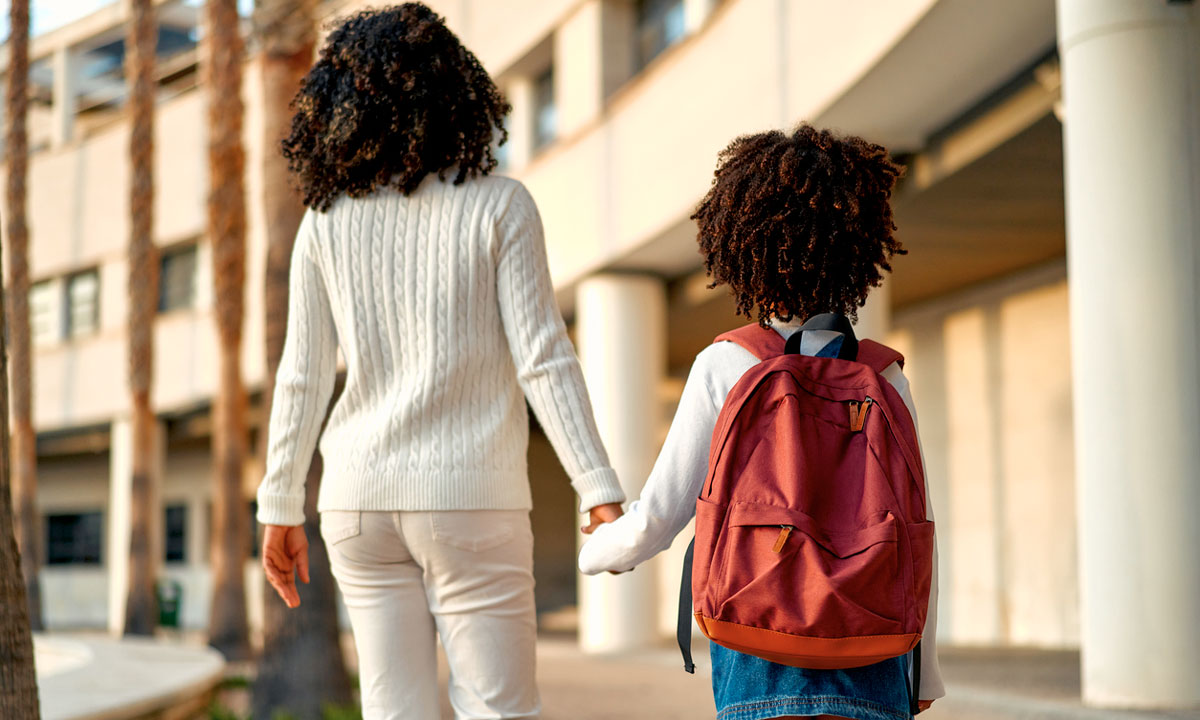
602 514
923 705
285 552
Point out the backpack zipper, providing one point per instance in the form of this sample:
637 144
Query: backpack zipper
917 470
710 478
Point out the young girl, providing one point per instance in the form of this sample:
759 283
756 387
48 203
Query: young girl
796 225
430 275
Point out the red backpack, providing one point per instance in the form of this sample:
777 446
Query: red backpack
812 546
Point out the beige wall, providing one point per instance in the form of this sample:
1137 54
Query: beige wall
640 168
78 210
990 371
634 166
500 33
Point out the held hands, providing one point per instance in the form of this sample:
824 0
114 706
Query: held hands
284 553
600 515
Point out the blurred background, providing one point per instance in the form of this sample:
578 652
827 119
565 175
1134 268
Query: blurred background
1057 391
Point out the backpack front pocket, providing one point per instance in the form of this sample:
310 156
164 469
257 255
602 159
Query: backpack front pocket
781 570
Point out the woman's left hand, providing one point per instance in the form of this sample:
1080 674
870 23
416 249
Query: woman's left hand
600 515
284 553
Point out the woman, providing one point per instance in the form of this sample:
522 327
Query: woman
429 274
796 224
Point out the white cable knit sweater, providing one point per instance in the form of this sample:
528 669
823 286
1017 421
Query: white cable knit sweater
442 305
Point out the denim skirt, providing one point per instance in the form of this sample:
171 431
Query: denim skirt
750 688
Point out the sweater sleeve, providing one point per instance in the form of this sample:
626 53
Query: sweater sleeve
932 686
547 367
303 386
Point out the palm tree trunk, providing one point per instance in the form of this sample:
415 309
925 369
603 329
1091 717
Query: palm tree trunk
141 608
24 441
228 629
302 668
18 684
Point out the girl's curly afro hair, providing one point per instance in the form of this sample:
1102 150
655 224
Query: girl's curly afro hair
799 224
393 97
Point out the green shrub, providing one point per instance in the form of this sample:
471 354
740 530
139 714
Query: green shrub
218 712
345 712
235 682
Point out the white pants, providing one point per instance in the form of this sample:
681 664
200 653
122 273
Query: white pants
466 576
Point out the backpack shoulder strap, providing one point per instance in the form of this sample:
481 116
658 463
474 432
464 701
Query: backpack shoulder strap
763 343
877 355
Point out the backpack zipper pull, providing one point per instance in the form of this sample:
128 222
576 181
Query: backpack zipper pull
858 414
784 532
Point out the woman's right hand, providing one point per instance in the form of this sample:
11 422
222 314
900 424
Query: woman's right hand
285 553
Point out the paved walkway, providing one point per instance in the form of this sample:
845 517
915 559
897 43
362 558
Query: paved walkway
983 685
991 684
95 677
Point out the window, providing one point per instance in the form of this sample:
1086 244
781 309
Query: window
175 525
73 539
545 111
83 304
103 66
43 313
660 24
177 279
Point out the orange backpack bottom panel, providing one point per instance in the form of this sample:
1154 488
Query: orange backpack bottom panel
814 653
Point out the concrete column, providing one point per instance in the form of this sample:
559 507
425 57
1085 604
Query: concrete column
1131 85
120 496
621 334
520 122
593 56
875 318
65 66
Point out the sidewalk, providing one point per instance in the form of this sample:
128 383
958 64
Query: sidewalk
999 684
92 676
982 685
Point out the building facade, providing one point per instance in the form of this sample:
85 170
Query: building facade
1059 447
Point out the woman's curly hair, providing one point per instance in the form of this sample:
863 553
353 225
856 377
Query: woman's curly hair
799 224
393 97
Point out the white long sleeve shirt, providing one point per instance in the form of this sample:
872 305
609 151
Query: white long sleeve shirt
442 306
668 500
